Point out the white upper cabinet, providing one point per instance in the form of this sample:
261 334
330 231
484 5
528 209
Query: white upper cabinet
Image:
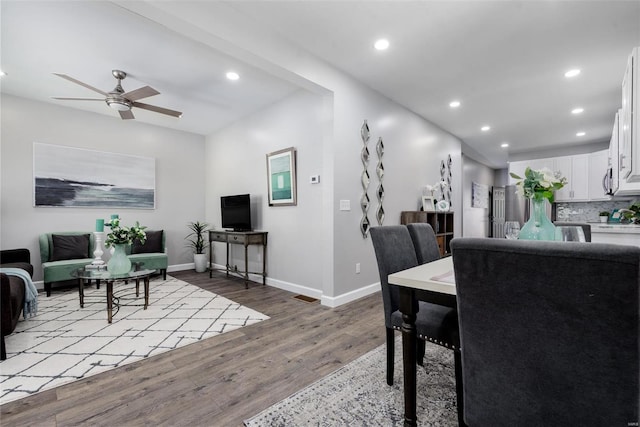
520 166
629 129
625 119
576 170
598 169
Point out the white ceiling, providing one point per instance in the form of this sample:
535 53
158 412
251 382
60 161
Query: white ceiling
504 60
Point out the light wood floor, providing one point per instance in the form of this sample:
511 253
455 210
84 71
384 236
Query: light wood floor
222 380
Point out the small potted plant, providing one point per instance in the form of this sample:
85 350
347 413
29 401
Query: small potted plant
632 215
604 216
197 242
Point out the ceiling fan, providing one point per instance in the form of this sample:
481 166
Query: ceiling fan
120 100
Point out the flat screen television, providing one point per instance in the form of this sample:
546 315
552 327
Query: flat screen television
236 212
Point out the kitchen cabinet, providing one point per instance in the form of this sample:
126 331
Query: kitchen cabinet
576 170
520 166
627 171
629 129
598 168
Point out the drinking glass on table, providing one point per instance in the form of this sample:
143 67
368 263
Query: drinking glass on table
570 233
511 229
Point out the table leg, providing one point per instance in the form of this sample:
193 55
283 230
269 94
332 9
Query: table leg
264 264
409 308
210 258
227 258
246 267
137 288
81 292
146 292
109 299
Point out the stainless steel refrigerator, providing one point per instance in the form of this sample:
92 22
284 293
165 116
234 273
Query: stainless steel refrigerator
506 205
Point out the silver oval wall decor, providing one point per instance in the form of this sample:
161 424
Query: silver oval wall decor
380 173
365 180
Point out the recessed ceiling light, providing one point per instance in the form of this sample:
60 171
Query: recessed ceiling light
572 73
577 110
454 104
581 134
504 145
232 75
2 73
382 44
485 128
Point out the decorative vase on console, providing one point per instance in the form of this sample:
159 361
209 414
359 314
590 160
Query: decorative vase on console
539 186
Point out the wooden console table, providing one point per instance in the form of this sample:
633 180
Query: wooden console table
245 238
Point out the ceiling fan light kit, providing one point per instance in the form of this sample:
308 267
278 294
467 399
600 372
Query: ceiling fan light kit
120 100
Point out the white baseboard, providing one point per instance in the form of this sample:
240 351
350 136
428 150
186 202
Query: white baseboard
350 296
332 302
181 267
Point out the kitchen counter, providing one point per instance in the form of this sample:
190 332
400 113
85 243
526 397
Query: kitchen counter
620 234
599 227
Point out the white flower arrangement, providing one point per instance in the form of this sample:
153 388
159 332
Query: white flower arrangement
539 184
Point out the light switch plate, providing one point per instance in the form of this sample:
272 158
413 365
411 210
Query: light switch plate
345 205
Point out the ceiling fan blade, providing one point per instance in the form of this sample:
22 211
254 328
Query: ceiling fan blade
143 92
71 79
78 99
158 109
126 115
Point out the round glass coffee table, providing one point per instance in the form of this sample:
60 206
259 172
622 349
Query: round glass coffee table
86 275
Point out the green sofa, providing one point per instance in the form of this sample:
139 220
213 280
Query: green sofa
74 249
152 254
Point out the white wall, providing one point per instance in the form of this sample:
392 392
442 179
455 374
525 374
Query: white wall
475 220
180 175
236 164
414 147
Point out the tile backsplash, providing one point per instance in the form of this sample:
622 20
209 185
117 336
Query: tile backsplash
588 211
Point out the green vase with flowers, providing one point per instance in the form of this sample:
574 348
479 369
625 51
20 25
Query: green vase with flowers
119 238
538 186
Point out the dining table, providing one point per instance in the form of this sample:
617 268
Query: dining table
433 282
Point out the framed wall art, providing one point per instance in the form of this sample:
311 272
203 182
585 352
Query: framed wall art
479 195
428 204
74 177
281 177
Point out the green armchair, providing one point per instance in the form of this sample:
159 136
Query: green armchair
63 252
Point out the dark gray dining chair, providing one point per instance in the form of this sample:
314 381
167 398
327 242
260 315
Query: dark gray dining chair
424 241
549 332
586 228
436 323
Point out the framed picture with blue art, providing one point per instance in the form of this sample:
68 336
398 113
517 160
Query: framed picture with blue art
281 176
74 177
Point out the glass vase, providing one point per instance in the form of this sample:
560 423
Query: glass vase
119 262
539 226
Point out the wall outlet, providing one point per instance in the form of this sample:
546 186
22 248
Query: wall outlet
357 268
314 179
345 205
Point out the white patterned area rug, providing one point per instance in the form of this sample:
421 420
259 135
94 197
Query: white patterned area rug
357 395
65 343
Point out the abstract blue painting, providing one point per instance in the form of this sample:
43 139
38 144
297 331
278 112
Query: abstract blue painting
75 177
